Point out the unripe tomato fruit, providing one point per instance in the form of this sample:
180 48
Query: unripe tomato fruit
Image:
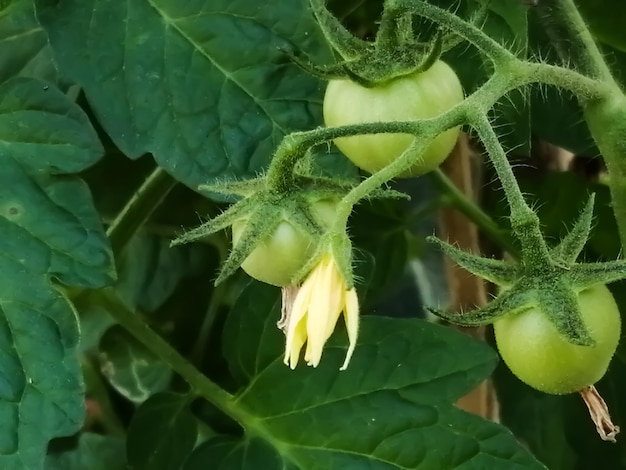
541 357
420 95
278 258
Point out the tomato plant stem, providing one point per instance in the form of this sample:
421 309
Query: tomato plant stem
524 221
137 327
607 122
139 208
605 114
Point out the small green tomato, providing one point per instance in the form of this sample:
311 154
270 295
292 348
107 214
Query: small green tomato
420 95
278 258
541 357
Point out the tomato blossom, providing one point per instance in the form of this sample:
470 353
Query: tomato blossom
311 311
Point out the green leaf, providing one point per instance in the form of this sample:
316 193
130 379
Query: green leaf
24 49
396 396
93 452
161 433
230 453
606 19
50 231
189 81
259 303
130 368
538 419
150 270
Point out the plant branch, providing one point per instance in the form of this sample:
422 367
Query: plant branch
199 383
584 88
139 208
524 221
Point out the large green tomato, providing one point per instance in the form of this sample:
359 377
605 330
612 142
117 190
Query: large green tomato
277 259
416 96
541 357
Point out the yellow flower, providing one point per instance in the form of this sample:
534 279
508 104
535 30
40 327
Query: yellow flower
311 317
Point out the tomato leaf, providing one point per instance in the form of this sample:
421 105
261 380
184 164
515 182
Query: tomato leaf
161 433
396 395
167 77
93 451
606 19
50 231
24 49
131 369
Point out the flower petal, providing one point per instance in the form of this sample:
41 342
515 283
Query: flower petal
324 310
296 325
351 317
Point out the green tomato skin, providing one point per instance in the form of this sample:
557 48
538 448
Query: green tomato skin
420 95
538 355
278 258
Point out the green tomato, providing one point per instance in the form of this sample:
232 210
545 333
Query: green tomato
541 357
420 95
278 258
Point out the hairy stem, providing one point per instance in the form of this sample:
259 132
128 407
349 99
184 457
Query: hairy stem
607 122
139 208
605 114
524 221
294 146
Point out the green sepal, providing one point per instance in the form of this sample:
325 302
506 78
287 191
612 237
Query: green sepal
510 301
300 214
591 274
383 193
560 304
570 247
396 52
319 187
242 188
259 226
222 221
496 271
323 72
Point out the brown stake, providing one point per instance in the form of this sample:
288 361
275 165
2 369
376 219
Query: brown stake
466 290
